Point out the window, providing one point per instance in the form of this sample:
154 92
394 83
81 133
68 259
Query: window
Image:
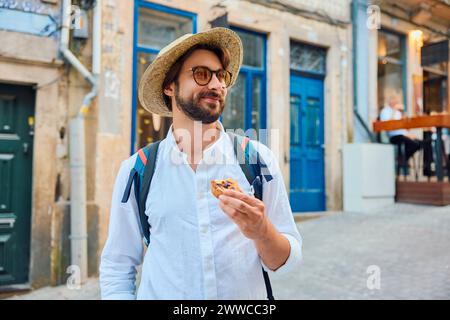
245 107
435 79
306 58
156 26
233 116
391 67
157 29
434 91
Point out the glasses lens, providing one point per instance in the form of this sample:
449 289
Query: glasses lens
222 75
202 75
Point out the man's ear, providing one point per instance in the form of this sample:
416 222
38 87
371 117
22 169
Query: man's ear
170 90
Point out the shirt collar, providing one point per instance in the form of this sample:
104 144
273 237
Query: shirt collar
222 145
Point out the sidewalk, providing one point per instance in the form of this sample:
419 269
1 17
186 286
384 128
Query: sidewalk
408 244
88 291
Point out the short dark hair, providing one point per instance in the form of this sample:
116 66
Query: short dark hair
174 71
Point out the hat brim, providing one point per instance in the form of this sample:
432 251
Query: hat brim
150 91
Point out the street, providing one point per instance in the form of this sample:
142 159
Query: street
398 252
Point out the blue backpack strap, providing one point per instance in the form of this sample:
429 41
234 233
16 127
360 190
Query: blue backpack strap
255 169
138 170
126 193
251 163
149 169
140 177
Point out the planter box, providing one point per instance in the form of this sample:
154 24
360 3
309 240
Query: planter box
433 193
369 176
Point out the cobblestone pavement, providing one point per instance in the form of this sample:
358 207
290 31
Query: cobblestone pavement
408 246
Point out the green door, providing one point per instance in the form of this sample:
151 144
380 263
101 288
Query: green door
16 151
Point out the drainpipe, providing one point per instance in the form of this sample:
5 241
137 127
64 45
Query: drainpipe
78 216
358 116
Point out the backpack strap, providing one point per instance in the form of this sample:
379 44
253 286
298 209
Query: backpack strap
251 163
149 170
136 171
254 169
141 177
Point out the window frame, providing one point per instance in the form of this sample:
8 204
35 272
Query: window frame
250 73
144 49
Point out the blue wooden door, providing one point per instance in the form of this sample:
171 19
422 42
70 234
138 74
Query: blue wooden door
307 178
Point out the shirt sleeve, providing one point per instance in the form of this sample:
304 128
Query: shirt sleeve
124 247
279 212
386 114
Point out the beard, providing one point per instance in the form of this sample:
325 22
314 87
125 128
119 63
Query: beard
198 110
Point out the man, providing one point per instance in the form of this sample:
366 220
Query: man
200 247
393 111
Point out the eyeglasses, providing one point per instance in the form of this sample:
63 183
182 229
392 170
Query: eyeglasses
203 75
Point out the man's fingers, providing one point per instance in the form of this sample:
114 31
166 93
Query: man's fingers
234 214
252 201
235 203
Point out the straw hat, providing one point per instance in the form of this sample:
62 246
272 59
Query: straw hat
150 90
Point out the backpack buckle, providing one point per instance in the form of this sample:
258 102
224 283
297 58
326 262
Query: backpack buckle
252 191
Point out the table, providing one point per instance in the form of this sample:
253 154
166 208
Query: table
438 121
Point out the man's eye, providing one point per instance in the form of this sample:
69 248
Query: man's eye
201 73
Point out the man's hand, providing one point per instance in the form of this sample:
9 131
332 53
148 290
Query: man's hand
247 212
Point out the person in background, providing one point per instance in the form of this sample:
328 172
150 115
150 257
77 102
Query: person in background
393 110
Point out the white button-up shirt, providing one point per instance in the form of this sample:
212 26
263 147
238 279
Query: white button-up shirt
388 113
196 251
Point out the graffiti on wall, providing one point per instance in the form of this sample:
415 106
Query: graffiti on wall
29 16
32 6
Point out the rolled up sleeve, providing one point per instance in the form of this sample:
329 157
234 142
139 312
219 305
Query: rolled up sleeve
292 262
279 212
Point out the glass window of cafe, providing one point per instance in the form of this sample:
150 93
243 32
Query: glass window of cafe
391 67
435 79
